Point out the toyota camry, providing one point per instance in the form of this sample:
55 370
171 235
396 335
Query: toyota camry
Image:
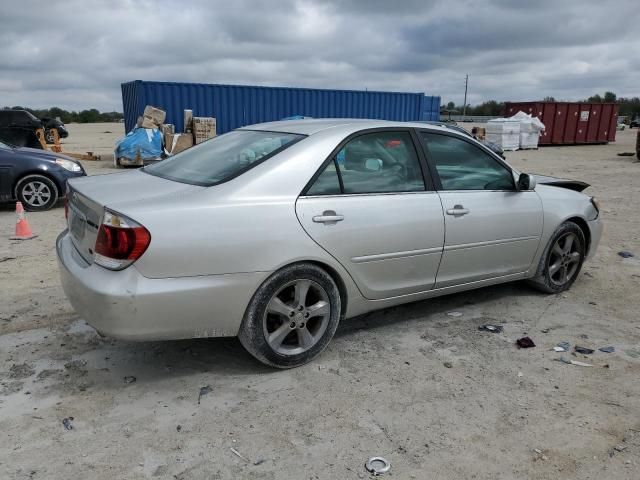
277 232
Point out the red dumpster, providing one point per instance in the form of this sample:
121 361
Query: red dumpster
570 123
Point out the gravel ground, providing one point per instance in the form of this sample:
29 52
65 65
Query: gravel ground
428 391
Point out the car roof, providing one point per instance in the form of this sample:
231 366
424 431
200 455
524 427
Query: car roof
315 125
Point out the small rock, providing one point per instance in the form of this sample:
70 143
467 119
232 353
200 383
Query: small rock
620 448
204 391
454 314
129 379
625 254
67 423
448 364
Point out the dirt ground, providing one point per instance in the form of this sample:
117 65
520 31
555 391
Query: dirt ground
429 391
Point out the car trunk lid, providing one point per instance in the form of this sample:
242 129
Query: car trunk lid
88 197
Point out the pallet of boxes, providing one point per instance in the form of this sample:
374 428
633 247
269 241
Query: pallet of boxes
196 131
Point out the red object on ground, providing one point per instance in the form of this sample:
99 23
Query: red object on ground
23 230
569 123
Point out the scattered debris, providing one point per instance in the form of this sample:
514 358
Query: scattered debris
607 349
204 391
129 379
179 428
545 330
620 448
6 259
237 453
520 374
260 461
448 364
67 423
454 314
626 254
626 154
558 349
525 342
573 362
583 350
491 328
564 346
377 465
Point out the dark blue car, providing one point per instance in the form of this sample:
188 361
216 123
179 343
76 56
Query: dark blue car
35 177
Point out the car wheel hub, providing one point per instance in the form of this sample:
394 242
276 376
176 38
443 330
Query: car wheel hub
564 259
296 317
36 193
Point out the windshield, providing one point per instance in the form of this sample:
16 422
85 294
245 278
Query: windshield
222 158
4 146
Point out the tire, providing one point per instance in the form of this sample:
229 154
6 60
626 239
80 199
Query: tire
561 262
36 192
48 135
297 335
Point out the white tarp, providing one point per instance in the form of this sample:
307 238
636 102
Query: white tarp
519 131
504 132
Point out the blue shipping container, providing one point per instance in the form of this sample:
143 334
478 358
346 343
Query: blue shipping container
234 106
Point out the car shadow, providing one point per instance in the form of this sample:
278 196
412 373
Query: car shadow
225 356
438 305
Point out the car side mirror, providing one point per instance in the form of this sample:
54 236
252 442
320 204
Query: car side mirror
526 182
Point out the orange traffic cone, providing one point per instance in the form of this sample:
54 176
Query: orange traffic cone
23 230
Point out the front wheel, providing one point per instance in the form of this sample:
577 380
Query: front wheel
292 316
36 192
562 260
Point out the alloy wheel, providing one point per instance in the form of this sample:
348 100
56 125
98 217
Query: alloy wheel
36 193
296 317
564 259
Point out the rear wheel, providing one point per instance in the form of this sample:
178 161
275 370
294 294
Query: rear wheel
292 317
562 260
36 192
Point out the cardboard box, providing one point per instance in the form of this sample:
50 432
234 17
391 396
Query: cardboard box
154 114
188 121
167 128
204 128
177 142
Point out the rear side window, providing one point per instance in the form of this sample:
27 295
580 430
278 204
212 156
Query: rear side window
224 157
379 162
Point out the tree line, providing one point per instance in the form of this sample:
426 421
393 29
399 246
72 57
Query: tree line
627 106
84 116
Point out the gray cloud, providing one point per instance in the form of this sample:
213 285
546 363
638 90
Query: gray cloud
511 50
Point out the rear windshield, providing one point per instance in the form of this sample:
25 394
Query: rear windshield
222 158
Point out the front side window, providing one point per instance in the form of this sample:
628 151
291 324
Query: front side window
379 162
463 166
222 158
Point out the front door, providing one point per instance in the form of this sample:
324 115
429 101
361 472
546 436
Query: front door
491 229
371 210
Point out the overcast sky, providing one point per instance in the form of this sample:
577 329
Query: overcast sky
75 54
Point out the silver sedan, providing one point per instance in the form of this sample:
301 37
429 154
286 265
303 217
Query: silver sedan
276 232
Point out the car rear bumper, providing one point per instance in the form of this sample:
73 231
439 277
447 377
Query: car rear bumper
126 305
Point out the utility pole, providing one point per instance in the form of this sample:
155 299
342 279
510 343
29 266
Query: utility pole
464 108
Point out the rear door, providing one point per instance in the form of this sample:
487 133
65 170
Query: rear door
491 229
372 208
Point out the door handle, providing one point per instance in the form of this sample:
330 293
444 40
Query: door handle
457 211
328 217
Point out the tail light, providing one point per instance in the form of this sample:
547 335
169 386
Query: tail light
120 242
